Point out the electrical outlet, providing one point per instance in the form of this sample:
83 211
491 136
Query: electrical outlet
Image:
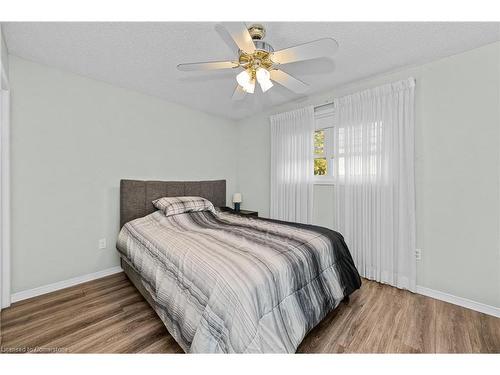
418 254
102 244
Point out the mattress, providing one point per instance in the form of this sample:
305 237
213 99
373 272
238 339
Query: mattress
224 283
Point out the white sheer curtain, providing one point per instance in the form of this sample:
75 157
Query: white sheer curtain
292 165
375 189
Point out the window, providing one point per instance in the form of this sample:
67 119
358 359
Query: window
320 164
362 143
323 146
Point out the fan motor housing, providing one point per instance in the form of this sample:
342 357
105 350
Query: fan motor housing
260 45
257 31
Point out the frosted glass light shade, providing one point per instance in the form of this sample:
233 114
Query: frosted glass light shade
264 78
245 80
262 74
265 85
237 198
250 87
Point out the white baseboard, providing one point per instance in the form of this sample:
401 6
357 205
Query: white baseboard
25 294
464 302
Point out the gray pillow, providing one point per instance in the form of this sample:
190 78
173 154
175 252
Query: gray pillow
179 205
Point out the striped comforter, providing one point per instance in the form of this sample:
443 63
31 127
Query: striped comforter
224 283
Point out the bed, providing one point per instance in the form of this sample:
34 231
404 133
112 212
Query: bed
225 283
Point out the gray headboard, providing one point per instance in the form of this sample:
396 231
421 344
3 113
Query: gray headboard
136 195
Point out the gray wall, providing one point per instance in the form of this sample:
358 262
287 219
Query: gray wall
457 170
4 53
73 139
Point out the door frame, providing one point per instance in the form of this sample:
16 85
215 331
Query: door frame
5 271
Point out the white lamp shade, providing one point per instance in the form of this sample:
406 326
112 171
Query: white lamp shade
237 198
250 87
265 85
264 78
243 78
246 81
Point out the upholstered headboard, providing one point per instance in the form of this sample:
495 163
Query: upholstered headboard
136 196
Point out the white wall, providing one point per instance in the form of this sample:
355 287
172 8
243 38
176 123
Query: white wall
73 139
457 170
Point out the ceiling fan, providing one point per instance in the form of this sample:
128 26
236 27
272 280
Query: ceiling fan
260 62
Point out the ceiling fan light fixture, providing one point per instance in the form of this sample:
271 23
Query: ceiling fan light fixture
264 79
260 62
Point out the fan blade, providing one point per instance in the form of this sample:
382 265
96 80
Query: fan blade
289 81
239 93
240 35
319 48
211 65
226 37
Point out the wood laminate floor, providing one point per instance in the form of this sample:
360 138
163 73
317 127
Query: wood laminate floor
110 316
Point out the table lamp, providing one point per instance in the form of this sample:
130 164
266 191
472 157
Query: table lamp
237 201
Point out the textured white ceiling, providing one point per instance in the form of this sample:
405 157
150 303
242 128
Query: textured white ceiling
143 56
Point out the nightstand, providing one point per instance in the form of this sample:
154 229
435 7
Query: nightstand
241 212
